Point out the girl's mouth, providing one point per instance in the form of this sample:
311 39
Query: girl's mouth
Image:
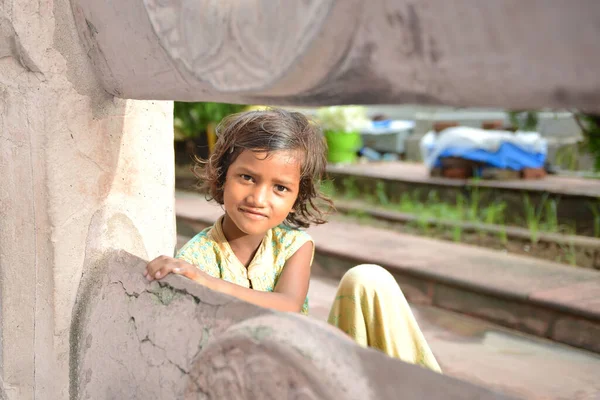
252 213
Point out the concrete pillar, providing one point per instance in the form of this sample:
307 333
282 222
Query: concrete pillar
81 173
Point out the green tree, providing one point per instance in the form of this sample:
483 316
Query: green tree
192 119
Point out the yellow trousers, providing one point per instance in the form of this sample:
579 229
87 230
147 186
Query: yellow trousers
370 307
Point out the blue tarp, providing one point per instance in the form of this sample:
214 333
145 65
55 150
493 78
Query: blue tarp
508 156
497 149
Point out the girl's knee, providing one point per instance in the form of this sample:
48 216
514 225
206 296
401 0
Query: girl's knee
368 275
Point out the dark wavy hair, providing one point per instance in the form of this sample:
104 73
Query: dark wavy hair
270 130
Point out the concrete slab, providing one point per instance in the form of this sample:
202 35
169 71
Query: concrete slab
417 173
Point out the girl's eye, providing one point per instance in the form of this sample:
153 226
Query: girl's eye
280 188
246 177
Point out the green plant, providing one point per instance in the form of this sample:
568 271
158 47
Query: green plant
533 216
473 212
503 236
361 215
456 233
595 208
569 252
524 120
351 190
327 188
423 223
567 157
460 205
405 205
494 213
191 119
541 218
551 216
590 128
380 193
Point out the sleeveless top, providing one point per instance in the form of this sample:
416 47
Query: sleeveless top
211 253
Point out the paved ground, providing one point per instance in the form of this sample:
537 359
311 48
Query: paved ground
417 172
521 365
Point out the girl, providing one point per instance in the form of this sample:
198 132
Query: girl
265 172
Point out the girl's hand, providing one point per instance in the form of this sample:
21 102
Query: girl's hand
162 266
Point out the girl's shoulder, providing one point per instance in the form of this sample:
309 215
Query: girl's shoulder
200 245
288 240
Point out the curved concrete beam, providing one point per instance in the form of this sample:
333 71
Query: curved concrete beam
505 53
175 339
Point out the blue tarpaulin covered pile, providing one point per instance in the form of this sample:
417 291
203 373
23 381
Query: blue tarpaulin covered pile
497 149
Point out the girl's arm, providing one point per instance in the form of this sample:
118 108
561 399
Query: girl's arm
288 295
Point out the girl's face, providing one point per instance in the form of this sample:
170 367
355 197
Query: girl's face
261 189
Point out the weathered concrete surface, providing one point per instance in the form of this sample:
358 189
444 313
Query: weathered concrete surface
467 53
82 172
177 339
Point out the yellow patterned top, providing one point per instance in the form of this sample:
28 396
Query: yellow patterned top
210 251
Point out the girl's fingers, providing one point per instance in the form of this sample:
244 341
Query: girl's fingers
164 271
185 271
158 268
181 271
152 267
163 266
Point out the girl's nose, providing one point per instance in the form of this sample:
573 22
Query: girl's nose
259 196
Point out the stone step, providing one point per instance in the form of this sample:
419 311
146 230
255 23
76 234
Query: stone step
492 356
417 173
534 296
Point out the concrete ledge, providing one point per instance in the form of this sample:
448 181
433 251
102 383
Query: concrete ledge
534 296
417 173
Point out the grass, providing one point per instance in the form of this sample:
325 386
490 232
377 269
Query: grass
467 208
569 253
595 208
457 233
432 216
351 190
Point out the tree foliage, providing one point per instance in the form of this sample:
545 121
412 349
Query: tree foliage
192 119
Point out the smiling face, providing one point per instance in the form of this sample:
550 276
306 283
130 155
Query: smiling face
260 190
